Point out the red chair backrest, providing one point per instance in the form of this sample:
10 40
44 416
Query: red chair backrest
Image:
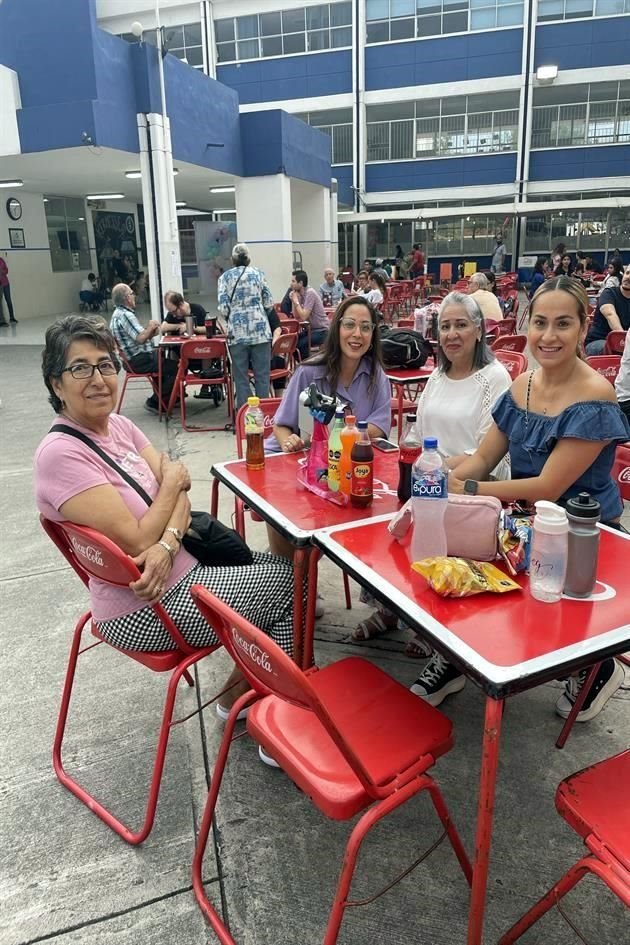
269 406
197 349
621 470
510 343
269 670
514 362
289 326
91 554
284 346
615 342
507 326
606 364
406 323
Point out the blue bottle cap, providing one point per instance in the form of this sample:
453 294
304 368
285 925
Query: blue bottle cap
340 412
362 424
429 443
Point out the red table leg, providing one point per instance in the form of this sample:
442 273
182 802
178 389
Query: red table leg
485 812
311 601
160 356
300 558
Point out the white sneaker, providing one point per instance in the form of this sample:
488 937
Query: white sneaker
224 713
320 609
267 759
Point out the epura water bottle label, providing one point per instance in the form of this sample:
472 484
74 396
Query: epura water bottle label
429 487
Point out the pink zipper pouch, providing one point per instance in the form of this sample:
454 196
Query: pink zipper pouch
471 523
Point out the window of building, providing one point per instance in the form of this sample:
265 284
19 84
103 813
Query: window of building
390 20
183 41
573 115
460 124
284 32
337 124
576 9
67 234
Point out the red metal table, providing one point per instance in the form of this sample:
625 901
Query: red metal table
400 378
506 643
276 496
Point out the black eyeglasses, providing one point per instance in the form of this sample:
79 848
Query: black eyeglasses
82 371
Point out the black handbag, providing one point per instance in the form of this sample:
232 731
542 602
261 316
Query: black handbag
210 541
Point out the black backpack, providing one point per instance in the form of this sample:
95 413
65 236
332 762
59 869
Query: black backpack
404 347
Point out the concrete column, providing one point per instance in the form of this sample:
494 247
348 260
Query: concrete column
312 225
334 227
263 219
167 236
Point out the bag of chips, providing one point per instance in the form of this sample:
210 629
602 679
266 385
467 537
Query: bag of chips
515 537
461 577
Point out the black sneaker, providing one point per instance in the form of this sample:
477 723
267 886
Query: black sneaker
608 680
438 679
205 393
152 405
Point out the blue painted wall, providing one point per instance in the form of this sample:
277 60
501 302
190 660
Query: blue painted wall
445 59
273 80
568 163
584 45
275 142
343 174
441 172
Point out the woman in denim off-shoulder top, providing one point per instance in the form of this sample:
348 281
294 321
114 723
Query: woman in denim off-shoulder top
560 425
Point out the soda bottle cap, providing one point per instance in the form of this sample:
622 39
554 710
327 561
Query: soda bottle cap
339 412
253 401
362 424
350 420
429 443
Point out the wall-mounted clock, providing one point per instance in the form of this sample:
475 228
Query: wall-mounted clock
14 208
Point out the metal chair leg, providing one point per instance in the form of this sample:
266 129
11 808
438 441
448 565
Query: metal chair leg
577 706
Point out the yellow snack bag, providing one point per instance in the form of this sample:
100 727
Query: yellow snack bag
460 577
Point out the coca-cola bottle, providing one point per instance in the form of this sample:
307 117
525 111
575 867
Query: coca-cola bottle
410 448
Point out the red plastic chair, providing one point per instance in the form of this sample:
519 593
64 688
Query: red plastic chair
406 323
606 364
289 326
514 362
92 554
615 342
131 375
507 326
621 470
283 347
516 343
202 349
349 754
595 803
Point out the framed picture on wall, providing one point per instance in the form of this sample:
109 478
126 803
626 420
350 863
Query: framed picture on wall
16 238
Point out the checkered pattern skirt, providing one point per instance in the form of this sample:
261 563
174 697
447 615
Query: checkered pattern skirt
262 592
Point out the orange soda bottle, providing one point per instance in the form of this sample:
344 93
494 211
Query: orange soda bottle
349 436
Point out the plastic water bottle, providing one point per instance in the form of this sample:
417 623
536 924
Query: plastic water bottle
429 498
548 560
583 513
334 451
254 434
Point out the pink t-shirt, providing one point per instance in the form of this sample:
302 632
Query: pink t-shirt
65 467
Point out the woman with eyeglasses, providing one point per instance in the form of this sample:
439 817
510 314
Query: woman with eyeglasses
73 483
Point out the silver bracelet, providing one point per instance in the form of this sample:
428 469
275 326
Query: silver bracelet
165 544
176 532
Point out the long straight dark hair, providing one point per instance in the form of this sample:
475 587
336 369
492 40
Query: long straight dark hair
331 354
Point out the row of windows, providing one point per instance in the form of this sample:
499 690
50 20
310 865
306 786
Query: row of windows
574 9
284 32
390 20
337 124
67 234
572 115
183 41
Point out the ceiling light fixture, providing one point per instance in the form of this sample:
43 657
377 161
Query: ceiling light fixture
181 203
222 190
224 211
105 197
12 183
133 175
546 74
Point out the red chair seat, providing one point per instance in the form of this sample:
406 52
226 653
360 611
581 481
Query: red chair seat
388 731
159 662
595 801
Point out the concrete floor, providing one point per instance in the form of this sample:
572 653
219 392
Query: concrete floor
66 878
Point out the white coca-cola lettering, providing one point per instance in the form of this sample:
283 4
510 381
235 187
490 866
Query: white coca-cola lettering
255 654
89 552
624 475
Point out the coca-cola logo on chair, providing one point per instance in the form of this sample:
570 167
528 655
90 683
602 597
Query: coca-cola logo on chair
252 651
89 552
624 475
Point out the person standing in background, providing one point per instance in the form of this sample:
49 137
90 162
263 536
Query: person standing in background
5 292
417 262
498 257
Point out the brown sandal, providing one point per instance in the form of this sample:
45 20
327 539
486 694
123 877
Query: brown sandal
373 626
418 649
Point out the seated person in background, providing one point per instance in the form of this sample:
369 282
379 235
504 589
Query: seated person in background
73 483
140 287
579 274
565 266
331 290
590 264
367 265
479 289
349 365
307 306
90 292
362 283
378 289
622 382
492 281
612 314
560 425
538 277
135 343
614 272
119 267
380 270
178 310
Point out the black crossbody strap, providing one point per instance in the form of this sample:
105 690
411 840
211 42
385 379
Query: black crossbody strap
234 289
70 431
